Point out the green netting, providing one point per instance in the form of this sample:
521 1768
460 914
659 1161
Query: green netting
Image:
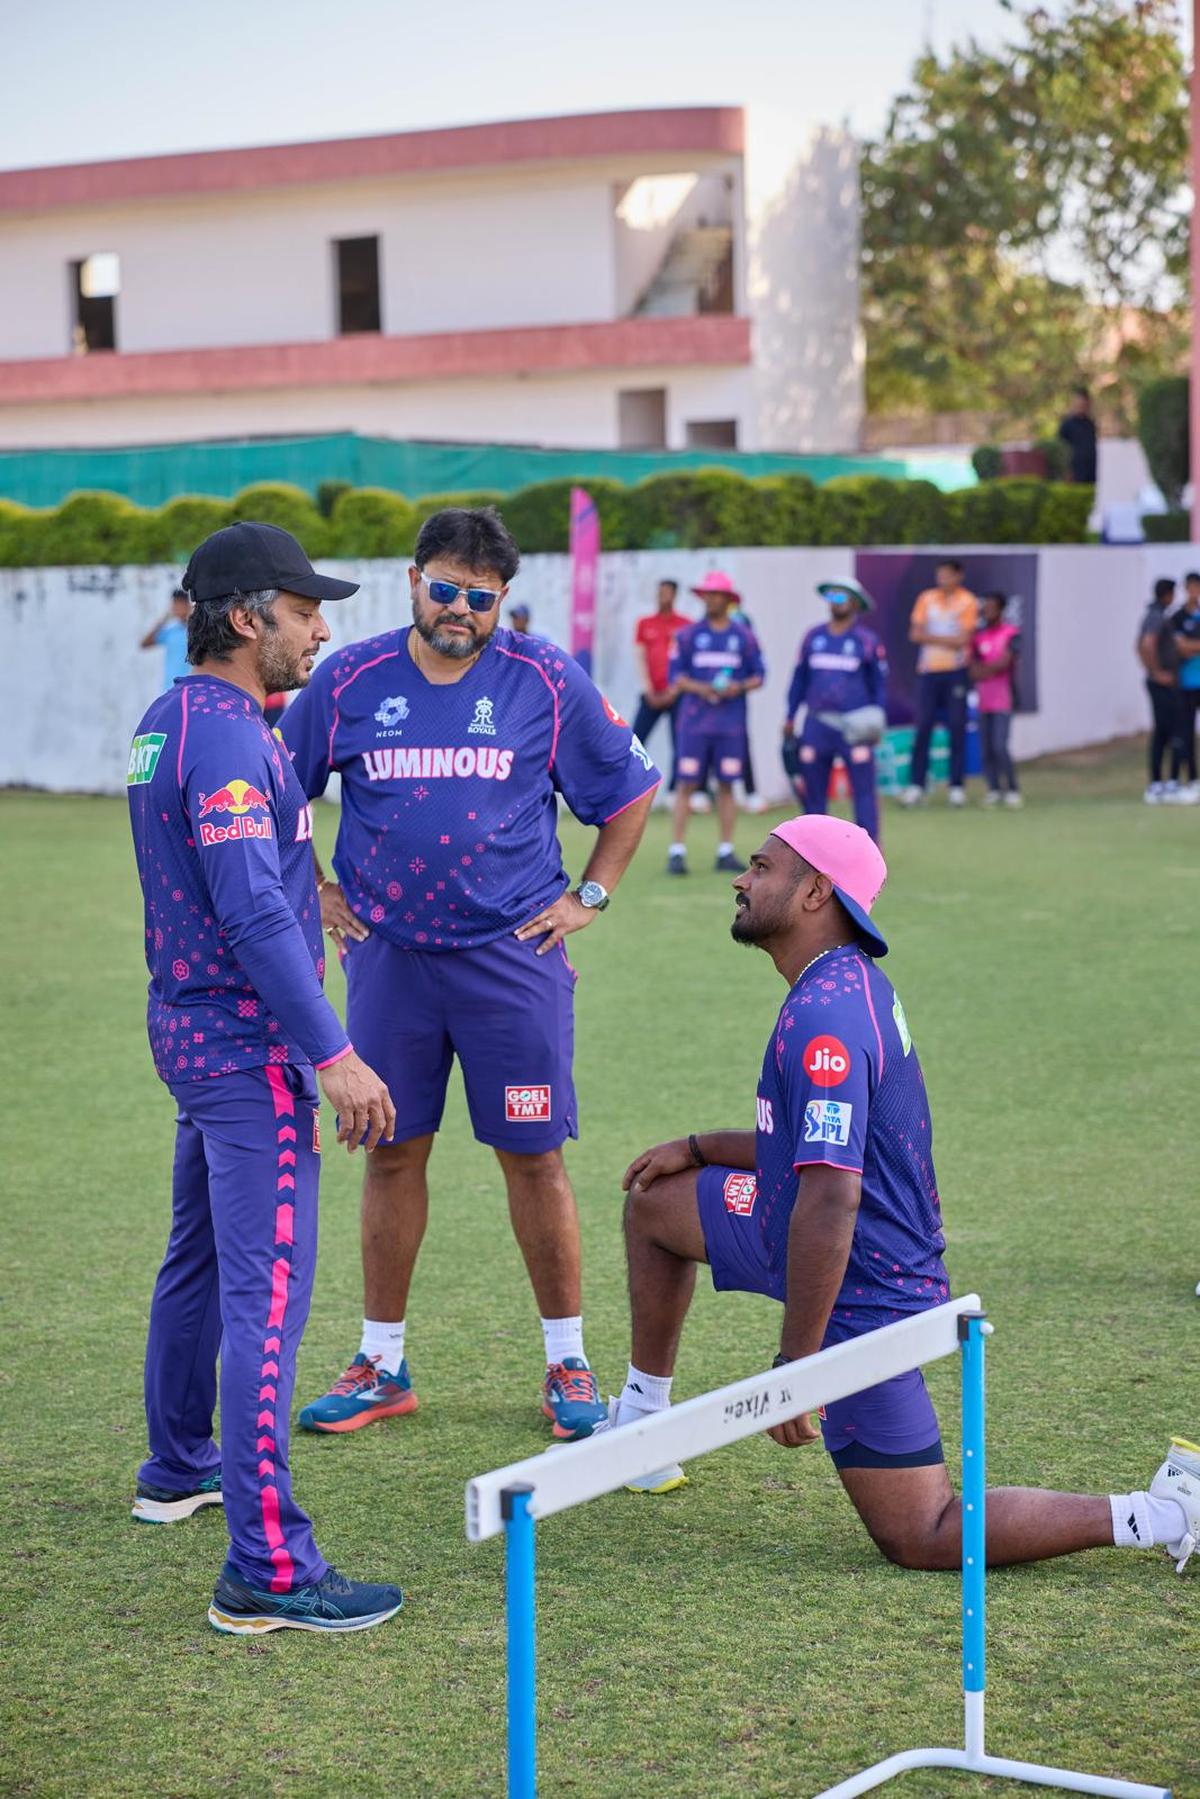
151 474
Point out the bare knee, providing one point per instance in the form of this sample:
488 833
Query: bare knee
393 1161
928 1549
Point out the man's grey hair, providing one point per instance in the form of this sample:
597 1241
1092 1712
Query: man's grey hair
211 636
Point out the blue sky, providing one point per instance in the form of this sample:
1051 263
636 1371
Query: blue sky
135 77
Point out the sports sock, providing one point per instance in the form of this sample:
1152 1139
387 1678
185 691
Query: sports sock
724 849
677 849
1142 1521
642 1394
383 1343
564 1337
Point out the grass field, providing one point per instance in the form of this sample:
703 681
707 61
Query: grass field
742 1637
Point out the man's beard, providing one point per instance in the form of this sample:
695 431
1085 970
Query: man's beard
755 931
280 670
459 649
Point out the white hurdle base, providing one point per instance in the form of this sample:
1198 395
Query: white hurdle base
975 1760
997 1765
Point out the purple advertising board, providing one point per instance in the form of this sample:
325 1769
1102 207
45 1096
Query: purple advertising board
894 578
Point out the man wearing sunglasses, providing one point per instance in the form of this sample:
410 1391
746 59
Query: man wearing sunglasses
453 738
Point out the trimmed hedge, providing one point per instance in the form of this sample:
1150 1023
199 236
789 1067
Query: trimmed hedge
1167 527
704 509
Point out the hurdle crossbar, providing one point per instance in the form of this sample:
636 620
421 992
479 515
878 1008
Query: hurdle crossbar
512 1499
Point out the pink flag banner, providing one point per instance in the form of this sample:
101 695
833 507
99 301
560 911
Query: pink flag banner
585 570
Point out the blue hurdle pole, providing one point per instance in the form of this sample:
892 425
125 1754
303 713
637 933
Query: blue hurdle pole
973 1328
522 1642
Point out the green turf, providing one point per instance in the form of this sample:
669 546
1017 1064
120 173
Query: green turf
742 1637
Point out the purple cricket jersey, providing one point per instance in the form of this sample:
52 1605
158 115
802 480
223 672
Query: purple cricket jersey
222 834
449 792
841 1085
838 671
707 652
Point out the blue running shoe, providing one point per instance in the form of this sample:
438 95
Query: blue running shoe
159 1505
331 1603
365 1394
571 1398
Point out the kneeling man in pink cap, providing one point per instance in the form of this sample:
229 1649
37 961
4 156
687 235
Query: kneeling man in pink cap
831 1207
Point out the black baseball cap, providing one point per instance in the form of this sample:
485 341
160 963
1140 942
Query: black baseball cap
245 557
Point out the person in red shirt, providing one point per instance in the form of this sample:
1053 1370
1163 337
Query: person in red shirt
653 641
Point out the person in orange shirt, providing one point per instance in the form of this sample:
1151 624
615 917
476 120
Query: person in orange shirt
942 625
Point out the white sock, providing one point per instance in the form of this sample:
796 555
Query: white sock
564 1337
383 1343
677 849
724 849
1142 1521
642 1394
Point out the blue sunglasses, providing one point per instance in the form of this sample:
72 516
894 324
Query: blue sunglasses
444 593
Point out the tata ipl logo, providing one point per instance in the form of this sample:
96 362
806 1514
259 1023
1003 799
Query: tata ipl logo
240 801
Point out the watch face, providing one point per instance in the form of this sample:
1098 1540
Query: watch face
592 894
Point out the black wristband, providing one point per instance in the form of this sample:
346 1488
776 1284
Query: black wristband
782 1360
695 1151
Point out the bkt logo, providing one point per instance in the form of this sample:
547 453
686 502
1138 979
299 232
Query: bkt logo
527 1105
240 800
826 1061
766 1117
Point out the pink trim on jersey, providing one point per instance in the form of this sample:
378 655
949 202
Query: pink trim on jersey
182 739
820 1162
633 802
514 656
340 1057
337 694
871 1009
285 1107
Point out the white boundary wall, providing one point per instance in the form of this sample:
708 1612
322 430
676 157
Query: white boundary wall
73 682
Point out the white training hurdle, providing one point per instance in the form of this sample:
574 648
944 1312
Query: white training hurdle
512 1499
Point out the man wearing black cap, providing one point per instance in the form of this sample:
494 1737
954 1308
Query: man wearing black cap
241 1032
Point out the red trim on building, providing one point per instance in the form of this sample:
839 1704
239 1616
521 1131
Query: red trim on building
682 131
711 340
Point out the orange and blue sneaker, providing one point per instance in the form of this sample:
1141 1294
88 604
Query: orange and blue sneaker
331 1603
572 1399
365 1394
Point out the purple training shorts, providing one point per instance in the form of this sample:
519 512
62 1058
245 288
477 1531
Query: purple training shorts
505 1012
700 758
896 1418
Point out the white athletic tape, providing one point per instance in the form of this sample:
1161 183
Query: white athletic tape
600 1464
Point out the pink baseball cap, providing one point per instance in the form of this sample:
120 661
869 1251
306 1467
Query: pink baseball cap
717 582
852 862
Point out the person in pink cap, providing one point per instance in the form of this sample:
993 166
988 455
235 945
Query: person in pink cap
715 664
830 1206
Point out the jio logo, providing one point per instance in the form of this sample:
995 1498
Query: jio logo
826 1061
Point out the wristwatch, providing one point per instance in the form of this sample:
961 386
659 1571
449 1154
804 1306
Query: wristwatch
592 895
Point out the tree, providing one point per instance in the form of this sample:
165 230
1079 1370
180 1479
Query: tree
1022 206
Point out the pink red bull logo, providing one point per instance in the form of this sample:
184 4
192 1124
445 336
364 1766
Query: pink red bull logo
239 801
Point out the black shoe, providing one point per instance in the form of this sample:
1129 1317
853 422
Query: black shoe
159 1505
677 863
730 864
331 1603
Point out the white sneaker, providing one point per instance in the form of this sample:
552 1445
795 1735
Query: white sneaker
664 1480
912 796
1170 793
1013 801
1179 1479
992 797
1188 795
1153 795
957 796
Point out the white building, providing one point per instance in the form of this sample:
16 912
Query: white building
663 278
